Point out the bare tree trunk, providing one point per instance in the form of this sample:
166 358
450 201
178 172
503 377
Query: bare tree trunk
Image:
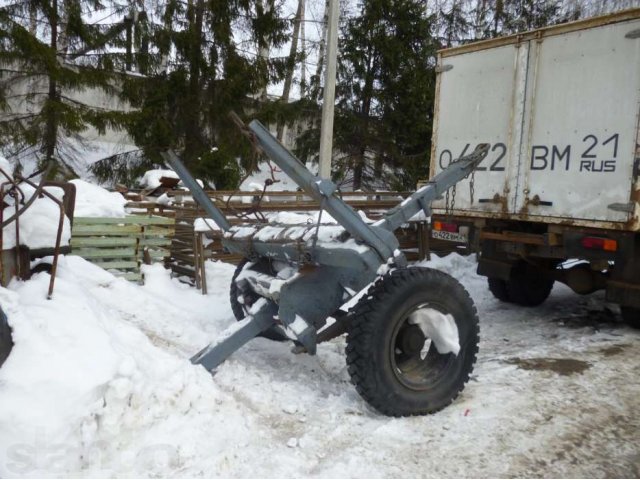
263 49
51 121
303 49
315 80
291 65
192 141
33 20
480 20
497 14
358 168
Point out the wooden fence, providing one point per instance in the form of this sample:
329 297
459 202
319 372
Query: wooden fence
188 250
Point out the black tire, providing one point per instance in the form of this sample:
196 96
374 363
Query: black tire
240 310
375 360
528 286
498 288
42 267
6 342
631 316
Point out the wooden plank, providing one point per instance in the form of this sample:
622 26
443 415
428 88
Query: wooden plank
132 276
183 258
103 242
105 252
190 272
96 230
116 264
155 219
155 242
132 219
167 231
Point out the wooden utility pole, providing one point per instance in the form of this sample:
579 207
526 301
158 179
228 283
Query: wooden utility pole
328 102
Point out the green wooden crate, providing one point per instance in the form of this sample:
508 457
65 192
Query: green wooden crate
119 244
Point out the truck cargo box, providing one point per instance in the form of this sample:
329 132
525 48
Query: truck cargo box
560 107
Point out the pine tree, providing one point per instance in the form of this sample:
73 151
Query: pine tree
455 24
384 93
49 56
201 73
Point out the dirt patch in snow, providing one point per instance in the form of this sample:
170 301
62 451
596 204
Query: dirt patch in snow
561 366
614 349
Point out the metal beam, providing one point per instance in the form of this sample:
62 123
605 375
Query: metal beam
234 337
421 200
196 190
323 192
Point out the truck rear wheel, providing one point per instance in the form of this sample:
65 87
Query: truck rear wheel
528 286
6 342
394 360
631 316
240 309
498 288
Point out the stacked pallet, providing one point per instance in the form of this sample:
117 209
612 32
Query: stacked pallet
121 245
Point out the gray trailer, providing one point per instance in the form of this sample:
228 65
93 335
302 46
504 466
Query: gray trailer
560 107
412 338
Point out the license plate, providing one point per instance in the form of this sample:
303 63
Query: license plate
450 236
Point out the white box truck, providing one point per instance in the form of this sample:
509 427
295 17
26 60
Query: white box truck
560 107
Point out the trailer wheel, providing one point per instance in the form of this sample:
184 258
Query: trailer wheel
631 316
498 288
394 366
6 342
240 310
528 286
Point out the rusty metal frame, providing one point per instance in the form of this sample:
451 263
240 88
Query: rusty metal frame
15 191
625 15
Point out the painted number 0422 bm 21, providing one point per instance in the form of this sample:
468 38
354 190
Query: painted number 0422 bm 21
593 155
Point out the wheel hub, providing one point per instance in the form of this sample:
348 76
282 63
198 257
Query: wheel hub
411 340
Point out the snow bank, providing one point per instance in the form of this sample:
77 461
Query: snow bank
86 387
95 201
39 223
99 385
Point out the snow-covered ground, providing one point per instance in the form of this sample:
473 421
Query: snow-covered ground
99 384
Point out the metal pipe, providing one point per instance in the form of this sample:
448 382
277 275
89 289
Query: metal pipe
198 193
56 250
323 192
421 200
